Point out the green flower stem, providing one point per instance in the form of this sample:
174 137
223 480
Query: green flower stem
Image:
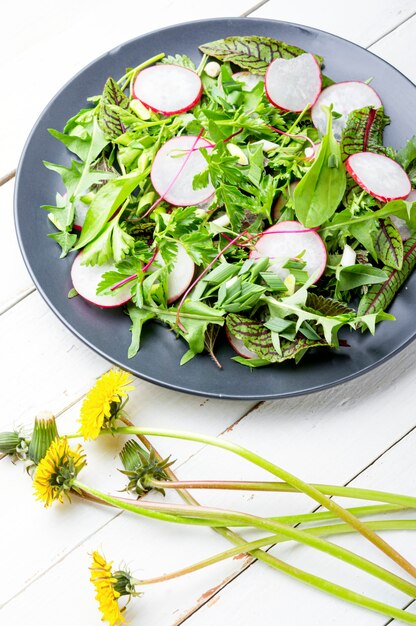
129 76
177 513
287 477
334 529
302 518
310 579
358 511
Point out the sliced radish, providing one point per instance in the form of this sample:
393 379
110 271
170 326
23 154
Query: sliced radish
287 240
239 347
345 97
283 198
169 161
168 89
248 79
293 84
86 279
380 176
181 274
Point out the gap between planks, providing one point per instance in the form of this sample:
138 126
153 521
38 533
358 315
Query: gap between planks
388 32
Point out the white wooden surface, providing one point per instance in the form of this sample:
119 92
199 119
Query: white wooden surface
363 432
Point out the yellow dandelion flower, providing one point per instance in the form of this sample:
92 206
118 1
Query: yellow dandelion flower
103 580
57 471
103 402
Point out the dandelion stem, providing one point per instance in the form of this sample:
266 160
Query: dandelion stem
180 512
333 529
306 577
298 484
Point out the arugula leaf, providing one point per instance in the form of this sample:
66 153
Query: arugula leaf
379 297
318 194
71 176
86 148
138 318
179 59
407 155
108 120
108 199
251 52
195 318
65 239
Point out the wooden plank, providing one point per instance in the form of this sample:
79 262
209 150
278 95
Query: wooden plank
397 48
57 369
361 22
328 436
45 44
16 282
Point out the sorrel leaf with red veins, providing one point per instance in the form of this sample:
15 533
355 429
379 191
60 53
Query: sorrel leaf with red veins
389 245
108 119
251 53
258 338
379 297
364 132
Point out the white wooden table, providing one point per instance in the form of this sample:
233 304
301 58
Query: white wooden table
363 432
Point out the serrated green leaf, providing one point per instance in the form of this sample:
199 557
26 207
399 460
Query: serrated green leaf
179 59
65 239
407 155
138 318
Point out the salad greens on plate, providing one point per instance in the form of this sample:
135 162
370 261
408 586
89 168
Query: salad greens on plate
251 193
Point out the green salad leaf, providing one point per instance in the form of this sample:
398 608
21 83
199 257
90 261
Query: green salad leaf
319 193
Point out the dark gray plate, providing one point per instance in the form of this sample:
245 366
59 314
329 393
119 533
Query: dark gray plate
107 331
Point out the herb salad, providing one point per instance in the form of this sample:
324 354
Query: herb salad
223 203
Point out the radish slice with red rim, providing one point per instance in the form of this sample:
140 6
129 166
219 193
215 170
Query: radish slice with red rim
287 240
345 98
239 347
293 84
168 89
379 175
167 163
86 279
248 79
